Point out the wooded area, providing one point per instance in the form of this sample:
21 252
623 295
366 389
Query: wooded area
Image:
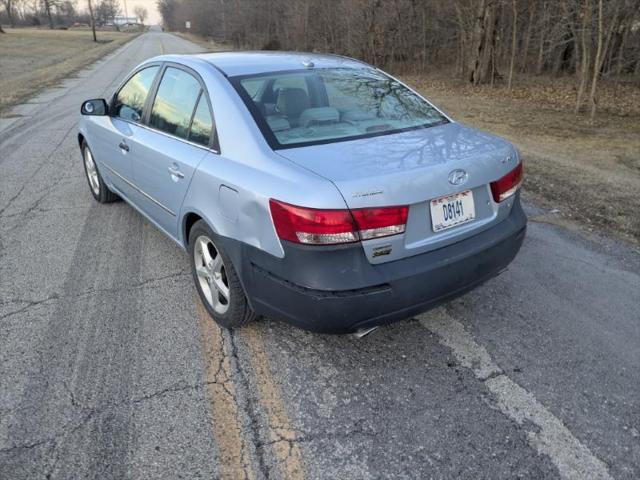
63 13
482 41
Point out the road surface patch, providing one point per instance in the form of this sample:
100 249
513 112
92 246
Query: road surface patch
573 459
234 461
282 436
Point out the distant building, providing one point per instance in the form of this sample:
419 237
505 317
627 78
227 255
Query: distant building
120 20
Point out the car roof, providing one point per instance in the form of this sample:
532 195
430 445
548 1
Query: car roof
250 63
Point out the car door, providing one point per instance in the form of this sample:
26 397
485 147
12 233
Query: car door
180 132
110 135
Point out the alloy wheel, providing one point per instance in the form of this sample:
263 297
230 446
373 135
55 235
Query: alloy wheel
92 172
211 274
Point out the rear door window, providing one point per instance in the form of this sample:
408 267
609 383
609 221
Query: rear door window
174 105
130 100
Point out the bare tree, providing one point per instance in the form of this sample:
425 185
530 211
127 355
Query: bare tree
93 21
141 13
482 67
107 10
585 53
8 5
169 12
476 39
596 63
514 41
47 9
602 48
527 39
541 44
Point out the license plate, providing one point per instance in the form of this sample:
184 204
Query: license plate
452 210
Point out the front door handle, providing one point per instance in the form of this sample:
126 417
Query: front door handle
124 146
175 172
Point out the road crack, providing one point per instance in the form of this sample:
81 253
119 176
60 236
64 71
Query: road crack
93 412
56 297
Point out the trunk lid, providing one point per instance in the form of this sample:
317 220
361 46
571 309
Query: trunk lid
412 168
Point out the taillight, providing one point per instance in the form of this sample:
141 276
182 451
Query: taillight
326 227
309 225
506 186
380 222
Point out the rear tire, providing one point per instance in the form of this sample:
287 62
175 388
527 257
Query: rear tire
97 187
216 280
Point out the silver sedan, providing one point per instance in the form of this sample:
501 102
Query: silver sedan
310 188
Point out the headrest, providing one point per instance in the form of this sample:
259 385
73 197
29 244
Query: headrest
277 123
292 101
319 115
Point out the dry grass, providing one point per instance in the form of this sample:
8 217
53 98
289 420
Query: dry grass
589 171
33 59
207 43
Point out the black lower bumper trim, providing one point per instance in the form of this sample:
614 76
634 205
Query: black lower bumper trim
339 291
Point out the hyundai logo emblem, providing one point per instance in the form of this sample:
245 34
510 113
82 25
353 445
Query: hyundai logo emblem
458 177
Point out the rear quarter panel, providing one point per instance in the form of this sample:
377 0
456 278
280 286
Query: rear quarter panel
231 190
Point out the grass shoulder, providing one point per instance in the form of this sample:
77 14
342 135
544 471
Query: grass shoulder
34 59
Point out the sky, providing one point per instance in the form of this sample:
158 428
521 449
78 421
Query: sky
150 5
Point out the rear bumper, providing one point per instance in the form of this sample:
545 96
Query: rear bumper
340 291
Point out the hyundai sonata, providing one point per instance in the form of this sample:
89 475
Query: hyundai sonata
310 188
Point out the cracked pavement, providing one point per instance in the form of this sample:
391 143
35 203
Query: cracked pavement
110 369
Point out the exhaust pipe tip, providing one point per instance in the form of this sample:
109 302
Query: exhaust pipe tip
363 332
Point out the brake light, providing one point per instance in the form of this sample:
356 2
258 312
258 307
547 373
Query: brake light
328 227
380 222
506 186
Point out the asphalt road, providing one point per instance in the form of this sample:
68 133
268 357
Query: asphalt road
109 369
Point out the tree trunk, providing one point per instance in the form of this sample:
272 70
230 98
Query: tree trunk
543 28
482 66
223 20
1 30
585 57
305 28
9 7
93 21
603 46
477 42
47 7
607 39
514 43
462 34
371 32
620 59
597 64
527 38
424 46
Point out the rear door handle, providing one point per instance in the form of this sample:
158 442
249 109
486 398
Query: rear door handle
175 172
124 146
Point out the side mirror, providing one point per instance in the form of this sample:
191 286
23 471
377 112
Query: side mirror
97 106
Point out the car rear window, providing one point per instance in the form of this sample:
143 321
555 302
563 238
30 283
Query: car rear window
307 107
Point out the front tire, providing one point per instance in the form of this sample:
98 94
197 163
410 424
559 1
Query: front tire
98 188
216 280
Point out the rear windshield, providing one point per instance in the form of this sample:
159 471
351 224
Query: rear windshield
309 107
